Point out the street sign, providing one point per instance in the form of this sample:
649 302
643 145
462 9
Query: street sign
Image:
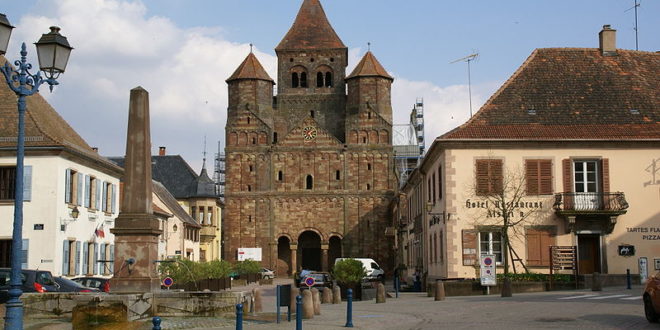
249 253
643 269
488 274
310 282
167 282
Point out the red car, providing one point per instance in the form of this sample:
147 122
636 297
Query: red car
652 299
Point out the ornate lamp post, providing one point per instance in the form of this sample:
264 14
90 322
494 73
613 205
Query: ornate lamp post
53 51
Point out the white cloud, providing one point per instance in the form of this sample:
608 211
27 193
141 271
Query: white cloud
118 46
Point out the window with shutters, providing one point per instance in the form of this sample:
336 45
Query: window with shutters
73 190
491 243
489 176
91 197
70 258
109 197
538 246
538 176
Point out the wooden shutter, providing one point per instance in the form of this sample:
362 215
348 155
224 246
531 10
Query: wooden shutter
88 185
85 269
102 265
470 247
605 174
65 258
95 266
104 198
547 240
482 177
114 198
79 190
538 175
27 183
24 253
67 185
496 176
532 176
97 199
567 169
538 243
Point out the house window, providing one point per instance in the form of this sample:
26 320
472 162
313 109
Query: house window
201 215
491 243
309 182
7 183
109 199
585 176
70 260
489 176
91 197
538 175
209 214
73 189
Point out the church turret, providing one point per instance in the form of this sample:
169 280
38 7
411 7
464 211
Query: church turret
369 99
251 88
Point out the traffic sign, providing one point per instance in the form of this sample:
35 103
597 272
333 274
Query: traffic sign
167 282
310 281
488 274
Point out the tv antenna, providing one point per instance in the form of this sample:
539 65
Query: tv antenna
468 59
637 4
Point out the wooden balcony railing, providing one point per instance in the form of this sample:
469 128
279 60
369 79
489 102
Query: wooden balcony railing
597 202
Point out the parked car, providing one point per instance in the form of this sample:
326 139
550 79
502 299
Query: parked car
373 269
322 280
67 285
652 299
267 273
32 281
101 283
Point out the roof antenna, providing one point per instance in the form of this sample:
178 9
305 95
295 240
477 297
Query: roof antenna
637 4
251 48
368 46
204 153
468 59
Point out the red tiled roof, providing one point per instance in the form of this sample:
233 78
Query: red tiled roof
311 30
369 67
250 69
574 93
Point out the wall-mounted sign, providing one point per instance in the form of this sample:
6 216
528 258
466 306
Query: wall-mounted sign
657 263
38 226
249 253
647 233
643 269
626 250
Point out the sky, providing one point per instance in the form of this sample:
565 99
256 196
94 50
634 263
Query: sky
182 51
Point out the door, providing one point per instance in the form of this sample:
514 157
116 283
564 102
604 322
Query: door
586 185
589 254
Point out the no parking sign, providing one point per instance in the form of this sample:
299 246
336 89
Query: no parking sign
488 274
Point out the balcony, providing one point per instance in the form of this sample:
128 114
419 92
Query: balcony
590 203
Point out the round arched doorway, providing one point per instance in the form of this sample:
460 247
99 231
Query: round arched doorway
283 256
309 249
334 251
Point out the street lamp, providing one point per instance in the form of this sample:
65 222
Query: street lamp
53 51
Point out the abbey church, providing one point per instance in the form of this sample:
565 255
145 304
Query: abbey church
309 172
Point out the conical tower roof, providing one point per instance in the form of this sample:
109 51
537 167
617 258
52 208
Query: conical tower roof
203 186
250 69
369 67
311 30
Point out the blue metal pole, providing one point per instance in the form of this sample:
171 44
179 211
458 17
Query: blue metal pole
156 322
277 295
239 317
628 279
349 309
396 286
299 313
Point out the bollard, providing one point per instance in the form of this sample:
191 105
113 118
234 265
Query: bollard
349 308
396 286
277 302
295 292
380 293
336 295
308 305
156 323
316 301
258 307
429 290
326 296
299 315
628 280
439 290
507 290
239 317
596 284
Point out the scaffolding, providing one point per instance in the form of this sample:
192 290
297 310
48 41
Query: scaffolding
408 142
219 172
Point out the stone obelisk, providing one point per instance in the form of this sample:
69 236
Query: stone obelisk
136 228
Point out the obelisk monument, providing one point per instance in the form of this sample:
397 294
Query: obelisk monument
136 228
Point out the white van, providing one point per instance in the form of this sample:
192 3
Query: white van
373 269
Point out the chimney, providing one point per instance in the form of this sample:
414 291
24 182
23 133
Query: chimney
95 149
161 151
607 39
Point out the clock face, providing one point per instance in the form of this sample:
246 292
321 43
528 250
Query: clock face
309 133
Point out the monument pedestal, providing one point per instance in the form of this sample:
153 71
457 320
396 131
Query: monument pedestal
136 253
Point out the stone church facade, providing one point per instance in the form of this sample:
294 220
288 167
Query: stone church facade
310 172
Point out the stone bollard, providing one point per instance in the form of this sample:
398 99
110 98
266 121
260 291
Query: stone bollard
380 293
308 305
429 290
326 297
439 290
294 293
507 291
258 307
596 282
336 295
316 301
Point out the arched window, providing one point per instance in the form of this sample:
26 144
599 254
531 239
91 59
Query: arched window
280 176
328 79
319 79
294 80
303 80
310 182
